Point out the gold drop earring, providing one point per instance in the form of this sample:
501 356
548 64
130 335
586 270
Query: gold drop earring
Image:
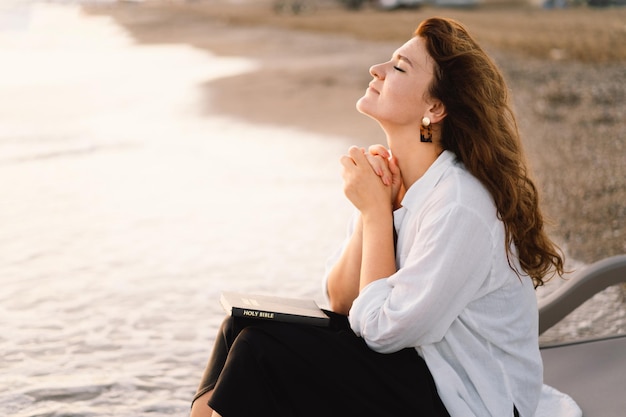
426 130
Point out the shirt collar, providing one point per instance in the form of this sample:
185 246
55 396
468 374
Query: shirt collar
417 192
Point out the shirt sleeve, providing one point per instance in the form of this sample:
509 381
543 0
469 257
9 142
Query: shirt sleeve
446 263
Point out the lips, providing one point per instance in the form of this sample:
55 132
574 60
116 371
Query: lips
371 87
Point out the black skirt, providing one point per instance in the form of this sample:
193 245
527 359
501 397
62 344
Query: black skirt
268 368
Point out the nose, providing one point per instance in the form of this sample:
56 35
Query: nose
376 71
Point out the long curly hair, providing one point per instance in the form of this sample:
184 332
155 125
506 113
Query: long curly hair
480 128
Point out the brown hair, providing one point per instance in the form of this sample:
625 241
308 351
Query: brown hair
480 128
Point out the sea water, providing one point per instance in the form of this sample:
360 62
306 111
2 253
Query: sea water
126 210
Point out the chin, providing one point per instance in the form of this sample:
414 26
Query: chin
361 106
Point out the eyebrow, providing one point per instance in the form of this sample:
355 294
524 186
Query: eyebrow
405 59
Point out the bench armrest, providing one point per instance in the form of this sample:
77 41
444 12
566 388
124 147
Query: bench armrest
579 288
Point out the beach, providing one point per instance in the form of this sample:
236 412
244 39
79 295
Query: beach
565 69
156 153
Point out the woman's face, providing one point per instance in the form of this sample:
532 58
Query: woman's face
398 94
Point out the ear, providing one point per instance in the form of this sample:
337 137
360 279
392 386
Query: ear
437 111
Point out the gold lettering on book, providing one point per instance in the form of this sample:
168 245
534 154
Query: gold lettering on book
260 314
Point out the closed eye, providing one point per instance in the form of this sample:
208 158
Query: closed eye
398 68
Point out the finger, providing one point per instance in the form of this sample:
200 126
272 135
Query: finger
347 161
379 150
376 163
382 152
393 166
380 167
357 154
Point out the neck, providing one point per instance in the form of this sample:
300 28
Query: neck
413 157
413 167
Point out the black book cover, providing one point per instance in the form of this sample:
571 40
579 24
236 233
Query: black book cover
267 307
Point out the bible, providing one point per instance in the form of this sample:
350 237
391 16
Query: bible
267 307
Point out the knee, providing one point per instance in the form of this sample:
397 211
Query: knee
234 329
251 340
248 336
227 329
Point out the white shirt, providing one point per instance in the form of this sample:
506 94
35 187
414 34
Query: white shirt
456 299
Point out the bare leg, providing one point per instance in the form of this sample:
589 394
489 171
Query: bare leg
200 407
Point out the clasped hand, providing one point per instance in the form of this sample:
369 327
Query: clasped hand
372 179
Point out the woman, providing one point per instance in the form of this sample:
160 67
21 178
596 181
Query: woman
432 293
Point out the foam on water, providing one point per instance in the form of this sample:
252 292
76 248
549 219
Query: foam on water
125 212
